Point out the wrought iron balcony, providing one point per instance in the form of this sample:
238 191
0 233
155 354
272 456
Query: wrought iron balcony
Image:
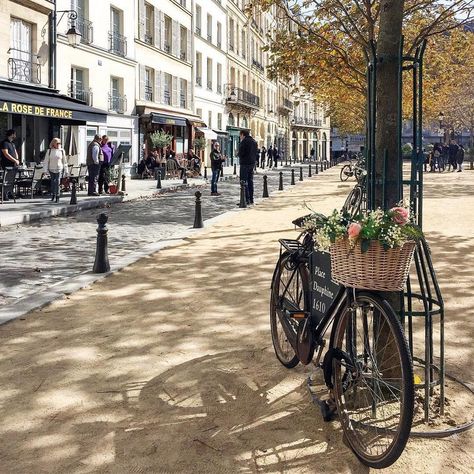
24 71
85 28
117 44
182 100
209 85
219 88
286 107
117 103
238 96
148 39
148 92
219 44
304 121
167 97
79 92
198 30
167 47
199 81
257 65
182 55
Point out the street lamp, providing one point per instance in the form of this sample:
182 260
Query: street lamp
442 125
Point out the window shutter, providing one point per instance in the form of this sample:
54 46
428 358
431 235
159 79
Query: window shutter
141 76
162 30
175 46
157 35
158 87
174 91
141 20
189 98
188 47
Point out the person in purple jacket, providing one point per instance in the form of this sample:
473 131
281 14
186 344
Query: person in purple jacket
104 173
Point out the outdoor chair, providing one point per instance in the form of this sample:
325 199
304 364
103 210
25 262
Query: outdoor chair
8 183
33 182
172 170
81 181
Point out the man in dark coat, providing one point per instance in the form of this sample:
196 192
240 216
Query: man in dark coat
453 151
248 157
270 156
460 157
263 152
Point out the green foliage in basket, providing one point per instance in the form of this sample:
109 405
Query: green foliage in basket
391 228
160 139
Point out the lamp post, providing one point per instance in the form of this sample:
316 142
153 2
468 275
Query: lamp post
442 126
73 38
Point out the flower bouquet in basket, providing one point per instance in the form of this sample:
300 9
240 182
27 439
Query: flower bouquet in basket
370 251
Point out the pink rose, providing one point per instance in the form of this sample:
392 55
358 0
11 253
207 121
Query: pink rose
354 230
400 215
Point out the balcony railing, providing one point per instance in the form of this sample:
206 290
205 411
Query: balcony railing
117 43
219 88
199 81
117 103
209 85
209 38
80 92
167 97
148 92
85 28
148 39
286 107
24 71
182 55
236 95
167 47
257 65
302 121
198 30
182 100
219 44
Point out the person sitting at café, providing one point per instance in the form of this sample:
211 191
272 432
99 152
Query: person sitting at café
171 156
194 162
143 171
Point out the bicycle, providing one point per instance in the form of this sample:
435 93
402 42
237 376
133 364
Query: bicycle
351 169
371 392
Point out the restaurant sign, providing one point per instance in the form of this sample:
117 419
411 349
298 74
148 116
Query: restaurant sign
41 111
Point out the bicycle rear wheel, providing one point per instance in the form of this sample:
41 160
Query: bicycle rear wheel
353 202
373 381
289 293
346 172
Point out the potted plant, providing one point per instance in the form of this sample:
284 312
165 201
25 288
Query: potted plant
372 250
160 139
199 143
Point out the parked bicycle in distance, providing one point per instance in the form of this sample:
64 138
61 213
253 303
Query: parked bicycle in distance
367 366
353 169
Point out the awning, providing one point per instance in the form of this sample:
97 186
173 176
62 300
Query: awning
47 104
220 132
208 133
167 119
197 123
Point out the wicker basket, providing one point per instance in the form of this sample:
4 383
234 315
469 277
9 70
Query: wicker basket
377 269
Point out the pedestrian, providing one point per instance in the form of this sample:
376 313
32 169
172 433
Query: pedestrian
453 151
270 156
263 156
104 173
216 167
9 156
276 156
93 160
445 156
247 156
55 163
436 160
311 154
257 162
460 157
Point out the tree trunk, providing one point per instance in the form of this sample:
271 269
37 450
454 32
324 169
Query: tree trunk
386 140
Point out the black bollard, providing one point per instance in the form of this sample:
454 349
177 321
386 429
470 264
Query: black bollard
309 171
205 172
265 186
235 169
158 181
73 193
123 183
316 168
286 161
292 176
243 202
198 224
185 178
301 173
322 166
222 174
280 185
101 264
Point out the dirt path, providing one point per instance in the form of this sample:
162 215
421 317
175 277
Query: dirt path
167 366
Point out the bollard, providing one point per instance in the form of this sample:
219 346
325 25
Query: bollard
73 193
292 176
198 224
316 168
325 165
322 166
286 161
205 172
309 171
158 181
265 186
280 185
243 202
221 175
301 173
101 264
185 178
472 164
235 169
123 183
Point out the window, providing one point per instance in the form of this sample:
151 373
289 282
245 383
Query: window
209 28
244 45
219 121
21 66
198 20
167 89
231 34
183 93
219 35
149 23
149 80
117 101
168 34
182 3
209 74
83 25
219 78
77 86
183 43
198 69
117 42
199 112
209 119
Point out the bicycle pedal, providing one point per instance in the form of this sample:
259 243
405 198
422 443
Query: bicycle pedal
327 412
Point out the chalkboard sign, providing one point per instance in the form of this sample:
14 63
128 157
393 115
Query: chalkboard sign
323 290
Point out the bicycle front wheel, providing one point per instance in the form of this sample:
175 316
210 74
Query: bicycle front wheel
289 292
346 172
373 381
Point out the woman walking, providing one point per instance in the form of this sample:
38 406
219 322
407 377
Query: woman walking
56 165
216 166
